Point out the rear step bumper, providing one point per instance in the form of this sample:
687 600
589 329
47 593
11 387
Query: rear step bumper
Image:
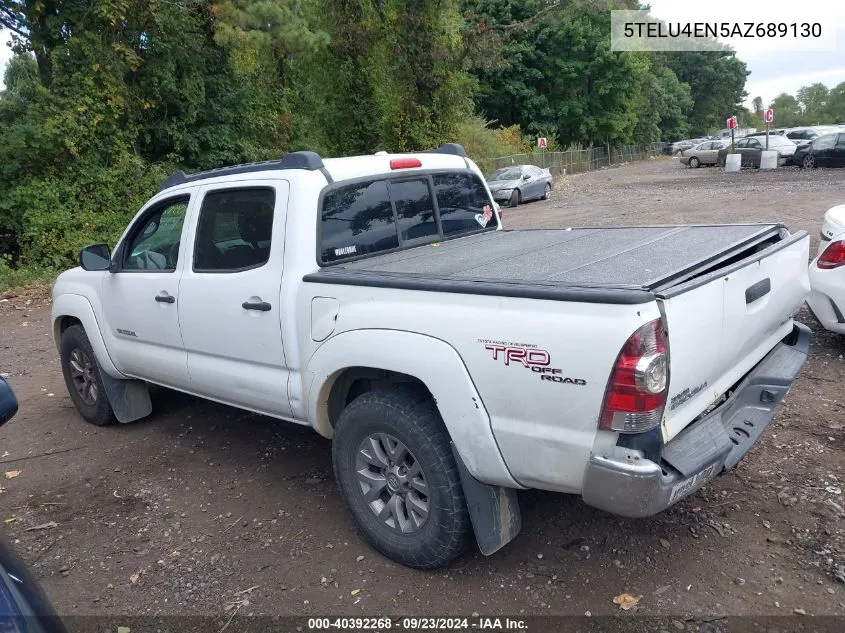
709 447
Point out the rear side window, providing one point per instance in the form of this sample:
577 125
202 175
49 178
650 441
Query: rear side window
235 230
357 220
380 215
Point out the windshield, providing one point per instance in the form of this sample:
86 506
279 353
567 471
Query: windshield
509 173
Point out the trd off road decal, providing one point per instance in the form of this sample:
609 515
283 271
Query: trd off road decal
529 357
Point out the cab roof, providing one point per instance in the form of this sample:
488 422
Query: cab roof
447 156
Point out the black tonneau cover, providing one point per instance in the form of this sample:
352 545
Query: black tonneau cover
601 265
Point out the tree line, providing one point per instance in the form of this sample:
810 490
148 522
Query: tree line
815 104
103 99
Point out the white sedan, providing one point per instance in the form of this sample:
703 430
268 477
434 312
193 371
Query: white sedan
827 273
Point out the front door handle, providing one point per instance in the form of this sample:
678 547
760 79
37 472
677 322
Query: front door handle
165 299
261 306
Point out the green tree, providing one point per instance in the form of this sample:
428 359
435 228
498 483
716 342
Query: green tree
717 85
813 100
787 111
836 104
757 107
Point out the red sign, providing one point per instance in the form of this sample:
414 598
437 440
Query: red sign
770 115
732 123
542 142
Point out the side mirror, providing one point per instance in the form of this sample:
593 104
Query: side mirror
526 177
8 402
95 257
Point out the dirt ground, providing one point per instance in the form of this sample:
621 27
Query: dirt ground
205 509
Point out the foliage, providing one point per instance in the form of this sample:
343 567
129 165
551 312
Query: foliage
103 99
787 110
717 85
812 105
480 140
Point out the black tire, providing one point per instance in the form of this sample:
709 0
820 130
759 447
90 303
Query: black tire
99 412
408 414
515 198
548 192
694 163
809 162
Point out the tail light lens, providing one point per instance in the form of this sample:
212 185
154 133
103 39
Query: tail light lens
833 256
636 392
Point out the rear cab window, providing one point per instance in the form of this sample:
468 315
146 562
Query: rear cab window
382 213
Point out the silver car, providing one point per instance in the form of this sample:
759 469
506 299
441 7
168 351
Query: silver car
520 183
706 153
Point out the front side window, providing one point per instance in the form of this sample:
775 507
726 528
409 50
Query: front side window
235 230
824 142
154 245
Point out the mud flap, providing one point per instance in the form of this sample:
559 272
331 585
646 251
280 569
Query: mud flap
129 399
493 510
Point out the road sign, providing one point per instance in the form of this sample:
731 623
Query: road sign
542 142
732 123
770 115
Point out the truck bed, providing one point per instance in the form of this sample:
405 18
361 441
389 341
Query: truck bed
605 265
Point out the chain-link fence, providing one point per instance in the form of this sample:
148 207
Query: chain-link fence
574 161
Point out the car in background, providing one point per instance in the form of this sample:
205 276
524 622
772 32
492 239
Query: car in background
686 144
706 153
752 147
679 146
24 607
520 183
824 151
827 273
802 134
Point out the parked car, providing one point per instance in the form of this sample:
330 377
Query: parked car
706 153
752 147
824 151
520 183
24 607
680 146
802 134
377 300
827 273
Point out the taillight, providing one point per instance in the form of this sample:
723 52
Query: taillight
636 392
833 256
405 163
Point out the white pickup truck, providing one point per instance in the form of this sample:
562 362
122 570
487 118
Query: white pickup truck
378 300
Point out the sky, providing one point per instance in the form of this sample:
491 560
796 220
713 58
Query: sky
774 72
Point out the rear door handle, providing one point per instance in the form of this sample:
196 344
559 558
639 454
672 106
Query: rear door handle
262 306
165 299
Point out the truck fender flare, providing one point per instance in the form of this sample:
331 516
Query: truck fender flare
432 361
79 307
129 399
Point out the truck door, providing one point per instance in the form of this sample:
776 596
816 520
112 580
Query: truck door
229 308
140 300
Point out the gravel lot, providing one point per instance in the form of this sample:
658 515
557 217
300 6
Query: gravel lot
203 509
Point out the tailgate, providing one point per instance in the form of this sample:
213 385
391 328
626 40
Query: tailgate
722 324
